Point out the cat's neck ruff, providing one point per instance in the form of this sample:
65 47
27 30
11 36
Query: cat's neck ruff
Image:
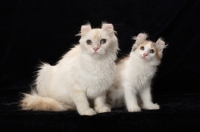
99 71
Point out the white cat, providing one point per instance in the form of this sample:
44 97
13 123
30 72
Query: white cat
82 75
134 73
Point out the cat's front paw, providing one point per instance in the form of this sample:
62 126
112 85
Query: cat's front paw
88 112
102 109
151 107
133 109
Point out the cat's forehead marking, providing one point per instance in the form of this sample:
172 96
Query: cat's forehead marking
96 33
153 45
144 43
148 44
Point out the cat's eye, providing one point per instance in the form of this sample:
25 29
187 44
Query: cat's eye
102 41
142 47
151 51
89 42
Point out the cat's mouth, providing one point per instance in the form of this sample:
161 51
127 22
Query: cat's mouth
97 52
94 53
145 57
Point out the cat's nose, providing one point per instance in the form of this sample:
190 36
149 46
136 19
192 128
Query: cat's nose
95 49
145 54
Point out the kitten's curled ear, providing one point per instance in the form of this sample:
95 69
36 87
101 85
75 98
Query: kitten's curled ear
160 44
108 27
84 29
141 37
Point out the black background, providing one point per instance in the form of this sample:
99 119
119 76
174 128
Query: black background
34 31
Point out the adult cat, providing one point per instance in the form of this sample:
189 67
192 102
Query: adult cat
83 74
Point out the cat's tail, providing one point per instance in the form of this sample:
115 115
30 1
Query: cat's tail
38 103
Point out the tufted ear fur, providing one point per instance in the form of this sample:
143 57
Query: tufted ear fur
108 27
141 37
85 29
160 44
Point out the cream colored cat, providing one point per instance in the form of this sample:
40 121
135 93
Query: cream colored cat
83 74
134 73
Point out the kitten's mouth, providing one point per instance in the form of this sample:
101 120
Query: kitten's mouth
145 57
97 53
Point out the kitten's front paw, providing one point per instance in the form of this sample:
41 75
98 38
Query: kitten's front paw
102 109
151 107
134 109
88 112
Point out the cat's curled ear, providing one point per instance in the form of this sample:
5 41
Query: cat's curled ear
160 44
108 27
141 37
84 29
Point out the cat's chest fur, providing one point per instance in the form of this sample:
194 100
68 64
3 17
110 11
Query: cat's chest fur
139 73
98 76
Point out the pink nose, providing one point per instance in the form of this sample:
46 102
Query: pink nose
95 48
145 54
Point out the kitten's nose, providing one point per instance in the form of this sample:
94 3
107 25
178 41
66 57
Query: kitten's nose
145 54
95 48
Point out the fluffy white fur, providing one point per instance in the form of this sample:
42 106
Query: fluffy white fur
134 73
83 74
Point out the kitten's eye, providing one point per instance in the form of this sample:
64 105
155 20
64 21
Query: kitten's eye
142 47
89 42
102 41
151 51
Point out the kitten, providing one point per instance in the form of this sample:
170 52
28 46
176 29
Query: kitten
134 73
83 74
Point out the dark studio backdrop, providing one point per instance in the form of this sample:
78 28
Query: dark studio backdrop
34 31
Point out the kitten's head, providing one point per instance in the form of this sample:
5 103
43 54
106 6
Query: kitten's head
97 42
148 50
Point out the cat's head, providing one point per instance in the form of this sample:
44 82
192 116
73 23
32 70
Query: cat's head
148 50
97 42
